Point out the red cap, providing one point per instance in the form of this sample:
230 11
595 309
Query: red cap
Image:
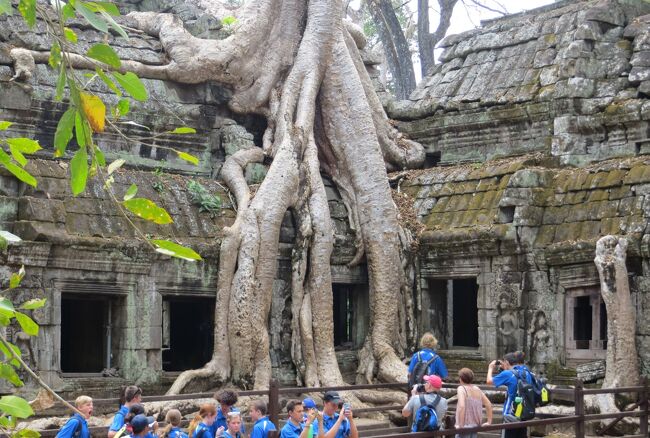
433 380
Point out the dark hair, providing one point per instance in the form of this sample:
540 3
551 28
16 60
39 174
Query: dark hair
292 404
466 375
227 397
260 405
511 358
128 393
520 356
134 410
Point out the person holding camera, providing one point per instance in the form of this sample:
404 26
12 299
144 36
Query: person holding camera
510 364
338 424
429 392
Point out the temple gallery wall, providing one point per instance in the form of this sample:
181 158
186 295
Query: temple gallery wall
537 131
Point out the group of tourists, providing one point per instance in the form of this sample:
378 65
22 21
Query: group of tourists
426 407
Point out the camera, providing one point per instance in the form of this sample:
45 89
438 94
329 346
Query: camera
498 366
420 388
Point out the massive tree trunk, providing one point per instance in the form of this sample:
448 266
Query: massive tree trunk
396 48
298 64
622 363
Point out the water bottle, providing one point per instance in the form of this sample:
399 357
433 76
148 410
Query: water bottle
519 409
311 430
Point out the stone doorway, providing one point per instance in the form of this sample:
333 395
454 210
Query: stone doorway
585 324
188 332
85 333
351 315
450 312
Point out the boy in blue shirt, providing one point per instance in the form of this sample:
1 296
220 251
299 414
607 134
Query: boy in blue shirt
227 400
76 426
261 423
130 396
511 367
337 425
428 343
295 427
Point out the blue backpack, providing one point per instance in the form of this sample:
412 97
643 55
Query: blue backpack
426 418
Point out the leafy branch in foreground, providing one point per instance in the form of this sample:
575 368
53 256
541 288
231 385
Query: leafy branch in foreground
86 114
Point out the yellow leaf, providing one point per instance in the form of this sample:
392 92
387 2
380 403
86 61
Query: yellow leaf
95 111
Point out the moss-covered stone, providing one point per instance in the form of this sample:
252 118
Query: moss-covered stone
598 195
638 174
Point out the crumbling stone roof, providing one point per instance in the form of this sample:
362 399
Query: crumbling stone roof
527 203
570 80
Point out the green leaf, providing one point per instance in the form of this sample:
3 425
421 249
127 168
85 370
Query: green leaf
16 278
108 81
176 250
183 130
108 7
15 406
4 125
7 372
79 171
114 25
27 9
67 11
5 7
55 55
229 20
90 16
63 132
123 107
6 307
27 324
9 357
82 131
33 304
130 193
17 171
18 156
26 433
104 53
188 157
24 145
60 83
115 165
70 35
132 85
100 158
148 210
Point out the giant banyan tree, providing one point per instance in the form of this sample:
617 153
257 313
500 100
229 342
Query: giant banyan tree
298 64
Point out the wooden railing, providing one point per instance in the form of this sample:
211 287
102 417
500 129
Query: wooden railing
578 393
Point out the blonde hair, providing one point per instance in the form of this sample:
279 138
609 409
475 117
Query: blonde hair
82 400
428 341
173 419
231 416
205 410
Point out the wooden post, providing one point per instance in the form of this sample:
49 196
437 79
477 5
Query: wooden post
579 400
274 402
645 409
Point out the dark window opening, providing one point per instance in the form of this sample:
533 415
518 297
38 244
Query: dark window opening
435 313
431 159
145 151
582 322
84 333
506 215
603 324
465 314
350 315
188 332
450 312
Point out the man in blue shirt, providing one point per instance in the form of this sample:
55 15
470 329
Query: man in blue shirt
511 366
227 400
131 395
76 426
428 343
261 423
295 428
337 425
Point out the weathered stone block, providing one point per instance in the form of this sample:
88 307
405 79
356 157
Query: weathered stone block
528 216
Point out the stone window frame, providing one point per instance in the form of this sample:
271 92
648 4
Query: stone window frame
597 349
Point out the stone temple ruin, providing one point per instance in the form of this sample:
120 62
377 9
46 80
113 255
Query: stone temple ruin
537 131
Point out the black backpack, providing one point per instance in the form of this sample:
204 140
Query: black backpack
426 417
420 370
525 409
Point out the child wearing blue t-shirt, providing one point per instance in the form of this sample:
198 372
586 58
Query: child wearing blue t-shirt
200 427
